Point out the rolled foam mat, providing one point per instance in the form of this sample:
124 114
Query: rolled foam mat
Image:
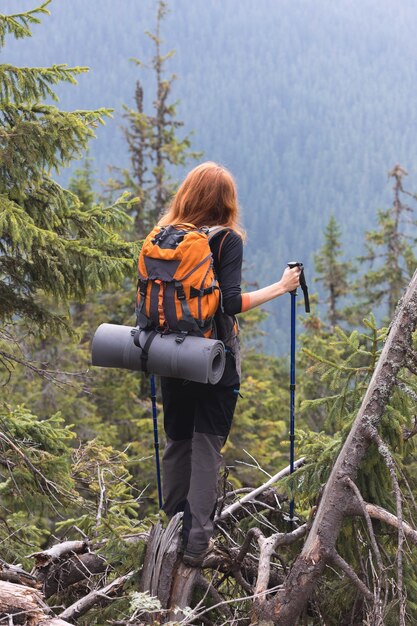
195 358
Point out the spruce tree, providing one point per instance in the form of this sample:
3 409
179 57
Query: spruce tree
389 251
332 272
152 140
53 249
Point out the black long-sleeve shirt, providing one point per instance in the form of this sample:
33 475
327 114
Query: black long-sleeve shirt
227 250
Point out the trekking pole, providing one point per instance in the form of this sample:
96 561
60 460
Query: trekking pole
156 440
304 288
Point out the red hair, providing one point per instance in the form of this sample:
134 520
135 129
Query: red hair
207 197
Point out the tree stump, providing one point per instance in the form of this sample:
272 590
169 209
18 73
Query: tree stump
164 575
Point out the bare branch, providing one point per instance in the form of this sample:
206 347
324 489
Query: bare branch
267 547
371 533
102 486
389 462
104 595
58 551
58 377
250 496
337 561
377 512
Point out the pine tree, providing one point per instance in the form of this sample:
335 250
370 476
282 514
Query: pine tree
53 249
152 140
332 272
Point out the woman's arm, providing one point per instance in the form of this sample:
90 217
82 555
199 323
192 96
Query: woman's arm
289 281
227 253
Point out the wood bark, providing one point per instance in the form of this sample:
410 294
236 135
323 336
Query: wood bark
65 564
60 575
25 605
289 602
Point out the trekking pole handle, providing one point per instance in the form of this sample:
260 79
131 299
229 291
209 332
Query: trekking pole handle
303 284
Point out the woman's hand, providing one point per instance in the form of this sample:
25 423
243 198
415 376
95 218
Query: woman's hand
290 279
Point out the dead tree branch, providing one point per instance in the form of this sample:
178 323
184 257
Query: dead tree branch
365 514
377 512
389 462
249 497
337 561
267 547
307 569
98 596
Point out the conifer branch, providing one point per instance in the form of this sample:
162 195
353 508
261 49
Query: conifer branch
31 84
51 486
408 434
18 24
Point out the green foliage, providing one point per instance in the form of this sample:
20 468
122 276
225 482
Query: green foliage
22 84
389 246
260 420
35 477
50 244
338 366
332 272
62 474
19 24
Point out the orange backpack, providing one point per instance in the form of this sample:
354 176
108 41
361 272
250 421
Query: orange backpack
177 288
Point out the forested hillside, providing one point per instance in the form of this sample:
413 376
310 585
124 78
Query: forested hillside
309 103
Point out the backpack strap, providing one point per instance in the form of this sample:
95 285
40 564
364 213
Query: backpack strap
142 319
187 323
221 244
214 231
144 349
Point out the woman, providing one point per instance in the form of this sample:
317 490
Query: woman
198 417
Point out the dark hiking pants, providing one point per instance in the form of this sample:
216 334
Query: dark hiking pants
197 421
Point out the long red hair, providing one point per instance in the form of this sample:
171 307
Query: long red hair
207 197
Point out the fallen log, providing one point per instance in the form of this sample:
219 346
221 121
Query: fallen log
20 604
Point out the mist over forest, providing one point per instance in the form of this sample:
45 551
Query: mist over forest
309 103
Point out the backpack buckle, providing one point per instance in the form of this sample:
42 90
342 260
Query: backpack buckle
180 338
142 287
180 291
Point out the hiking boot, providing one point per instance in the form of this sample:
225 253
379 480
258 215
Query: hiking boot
194 559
